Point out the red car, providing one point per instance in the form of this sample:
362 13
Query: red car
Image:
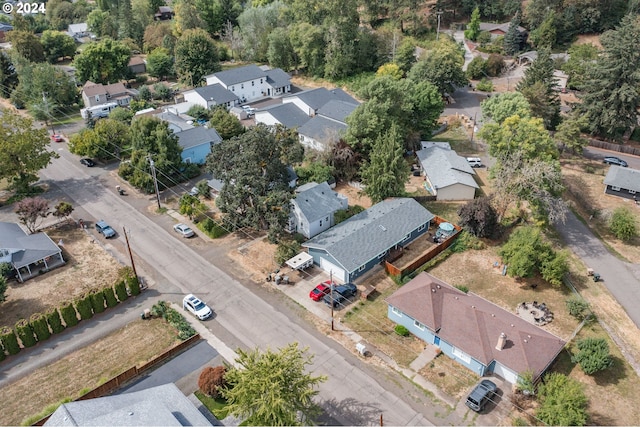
320 291
57 138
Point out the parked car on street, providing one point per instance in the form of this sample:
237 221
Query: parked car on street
57 138
340 295
481 395
196 307
105 229
615 161
320 291
184 230
87 162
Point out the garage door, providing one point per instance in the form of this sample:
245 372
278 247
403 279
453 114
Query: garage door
505 373
329 267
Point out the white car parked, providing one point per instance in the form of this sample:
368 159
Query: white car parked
184 230
197 307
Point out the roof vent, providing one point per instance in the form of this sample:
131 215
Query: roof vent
512 325
493 315
457 298
473 306
529 336
433 290
382 227
438 286
526 341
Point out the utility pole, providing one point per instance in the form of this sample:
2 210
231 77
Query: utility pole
438 13
133 266
331 292
155 180
473 129
46 111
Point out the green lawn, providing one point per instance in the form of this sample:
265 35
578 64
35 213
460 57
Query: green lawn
446 210
217 407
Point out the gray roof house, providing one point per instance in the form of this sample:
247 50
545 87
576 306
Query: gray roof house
310 101
78 31
279 81
499 29
448 176
196 143
252 82
287 115
353 247
337 110
210 96
313 209
319 132
164 405
28 253
471 330
94 94
622 182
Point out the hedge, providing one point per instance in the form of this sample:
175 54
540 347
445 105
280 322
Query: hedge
134 285
121 291
110 297
97 301
83 306
25 333
69 315
175 319
54 320
40 326
9 340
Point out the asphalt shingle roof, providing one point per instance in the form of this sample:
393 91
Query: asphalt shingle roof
321 129
277 78
626 178
473 324
287 114
28 248
216 93
197 136
239 75
364 236
445 167
318 201
337 110
316 98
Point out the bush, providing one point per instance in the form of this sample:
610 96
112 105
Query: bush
577 307
401 330
25 333
40 326
134 285
623 224
54 320
593 355
97 301
110 297
344 215
83 305
462 288
121 291
69 315
211 380
212 228
494 65
287 250
466 240
9 340
175 319
485 85
477 68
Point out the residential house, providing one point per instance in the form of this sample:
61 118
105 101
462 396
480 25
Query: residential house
287 115
622 182
28 254
472 331
196 143
320 133
164 13
448 176
162 405
353 247
313 209
177 121
79 31
310 101
137 64
210 96
98 94
252 82
497 30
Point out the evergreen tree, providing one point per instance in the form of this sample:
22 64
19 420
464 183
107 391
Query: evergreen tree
540 88
513 39
387 172
612 91
473 29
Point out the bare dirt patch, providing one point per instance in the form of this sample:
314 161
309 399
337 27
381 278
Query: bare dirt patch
257 256
355 195
85 369
446 374
594 39
88 267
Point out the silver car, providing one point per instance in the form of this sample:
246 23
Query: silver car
184 230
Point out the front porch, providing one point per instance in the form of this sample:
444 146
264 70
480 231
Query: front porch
42 266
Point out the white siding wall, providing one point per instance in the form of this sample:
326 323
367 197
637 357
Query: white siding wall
266 118
301 105
193 97
311 143
248 90
456 192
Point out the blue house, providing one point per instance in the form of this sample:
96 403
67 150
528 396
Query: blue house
472 331
353 247
196 143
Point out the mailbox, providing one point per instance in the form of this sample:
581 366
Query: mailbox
361 348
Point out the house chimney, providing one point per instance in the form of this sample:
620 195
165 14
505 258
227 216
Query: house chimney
502 339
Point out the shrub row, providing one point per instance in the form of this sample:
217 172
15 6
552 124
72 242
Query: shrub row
41 326
175 319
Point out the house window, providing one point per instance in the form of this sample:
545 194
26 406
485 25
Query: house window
320 223
418 325
260 81
232 89
396 311
614 188
461 355
241 85
632 192
406 237
362 267
97 98
253 83
422 227
382 254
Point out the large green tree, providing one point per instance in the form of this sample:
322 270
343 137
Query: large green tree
61 13
45 88
253 168
280 52
581 58
504 105
26 44
386 172
226 124
104 141
341 38
216 13
57 44
562 401
273 388
103 24
23 150
159 63
519 134
308 44
612 92
187 17
540 88
8 75
442 67
593 355
473 28
513 39
104 62
256 23
196 55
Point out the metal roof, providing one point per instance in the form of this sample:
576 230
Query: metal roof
319 201
625 178
216 93
445 167
366 235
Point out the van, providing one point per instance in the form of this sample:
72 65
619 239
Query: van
474 162
481 395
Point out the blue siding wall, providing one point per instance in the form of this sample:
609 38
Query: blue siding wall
197 154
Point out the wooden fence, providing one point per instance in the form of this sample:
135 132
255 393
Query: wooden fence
620 148
117 381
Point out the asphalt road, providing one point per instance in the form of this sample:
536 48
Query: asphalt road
599 154
351 395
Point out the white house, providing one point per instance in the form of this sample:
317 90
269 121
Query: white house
448 176
94 94
310 101
288 115
78 31
210 96
252 82
313 209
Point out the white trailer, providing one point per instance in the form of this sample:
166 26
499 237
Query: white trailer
102 110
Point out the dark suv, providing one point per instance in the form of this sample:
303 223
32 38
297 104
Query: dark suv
481 394
340 294
105 229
